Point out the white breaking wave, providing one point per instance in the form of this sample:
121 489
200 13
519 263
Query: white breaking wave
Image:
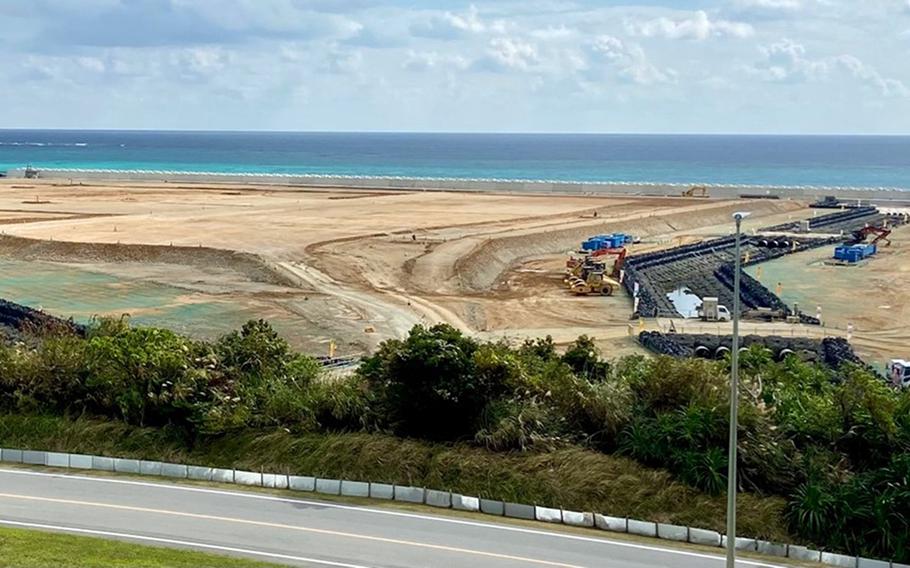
42 144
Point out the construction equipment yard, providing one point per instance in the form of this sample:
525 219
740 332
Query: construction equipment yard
360 266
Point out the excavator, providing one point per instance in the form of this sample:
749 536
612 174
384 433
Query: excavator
881 235
695 191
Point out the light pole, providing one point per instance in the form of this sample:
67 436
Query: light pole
734 399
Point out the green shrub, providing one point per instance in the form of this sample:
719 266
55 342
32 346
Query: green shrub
436 383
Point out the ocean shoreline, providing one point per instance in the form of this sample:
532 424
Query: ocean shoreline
556 187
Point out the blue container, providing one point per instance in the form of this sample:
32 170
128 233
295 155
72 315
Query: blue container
611 241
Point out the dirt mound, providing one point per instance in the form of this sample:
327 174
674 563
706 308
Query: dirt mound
251 265
481 268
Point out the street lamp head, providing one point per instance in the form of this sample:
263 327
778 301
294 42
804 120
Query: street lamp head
740 215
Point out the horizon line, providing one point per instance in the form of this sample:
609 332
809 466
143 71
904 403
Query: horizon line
458 132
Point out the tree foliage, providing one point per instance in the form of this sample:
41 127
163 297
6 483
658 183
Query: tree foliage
836 444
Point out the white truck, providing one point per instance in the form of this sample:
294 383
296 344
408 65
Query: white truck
899 373
711 310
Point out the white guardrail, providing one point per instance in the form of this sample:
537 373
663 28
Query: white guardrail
434 498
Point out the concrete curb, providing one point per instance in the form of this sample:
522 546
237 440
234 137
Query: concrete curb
328 486
409 494
436 498
382 491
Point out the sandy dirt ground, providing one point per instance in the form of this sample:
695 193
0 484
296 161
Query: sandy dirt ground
359 266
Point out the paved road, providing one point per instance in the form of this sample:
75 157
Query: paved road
305 532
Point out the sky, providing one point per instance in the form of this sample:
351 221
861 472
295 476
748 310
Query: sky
633 66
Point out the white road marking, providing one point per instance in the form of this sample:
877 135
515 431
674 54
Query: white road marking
197 545
283 526
328 505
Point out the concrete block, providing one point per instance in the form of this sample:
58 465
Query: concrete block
55 459
199 472
33 458
102 463
328 486
606 523
771 548
519 511
441 499
641 528
577 519
302 483
174 470
80 461
896 565
409 494
870 563
741 543
248 478
126 466
803 553
841 560
222 475
548 515
703 536
149 467
465 503
492 507
11 456
382 491
672 532
355 488
275 480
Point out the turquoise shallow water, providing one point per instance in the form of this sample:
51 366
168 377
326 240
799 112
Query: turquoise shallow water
855 161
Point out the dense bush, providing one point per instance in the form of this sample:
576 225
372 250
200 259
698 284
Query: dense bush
835 443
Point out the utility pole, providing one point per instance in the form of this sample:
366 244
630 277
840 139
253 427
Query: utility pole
734 399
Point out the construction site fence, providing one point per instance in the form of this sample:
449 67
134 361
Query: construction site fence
442 499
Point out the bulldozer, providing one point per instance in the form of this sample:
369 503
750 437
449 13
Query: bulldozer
594 283
695 191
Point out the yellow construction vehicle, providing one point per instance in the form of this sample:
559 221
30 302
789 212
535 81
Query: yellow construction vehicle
596 283
580 266
696 191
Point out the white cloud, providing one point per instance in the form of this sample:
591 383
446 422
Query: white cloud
203 60
342 61
629 61
500 64
770 5
557 33
510 53
699 26
787 61
451 25
92 64
426 60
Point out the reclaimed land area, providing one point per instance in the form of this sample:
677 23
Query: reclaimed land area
355 267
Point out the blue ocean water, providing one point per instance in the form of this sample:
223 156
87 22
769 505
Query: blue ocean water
858 161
